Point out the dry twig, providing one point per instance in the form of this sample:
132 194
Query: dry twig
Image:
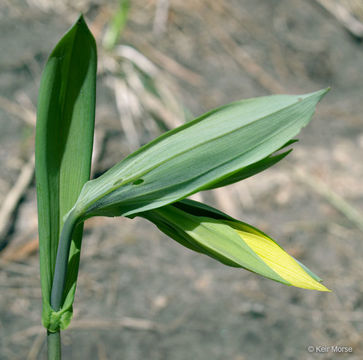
21 252
161 17
88 324
171 65
21 112
332 197
244 59
14 196
36 347
342 14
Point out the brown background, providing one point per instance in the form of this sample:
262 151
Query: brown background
140 295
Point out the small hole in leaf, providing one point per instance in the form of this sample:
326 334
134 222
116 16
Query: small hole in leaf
138 182
118 182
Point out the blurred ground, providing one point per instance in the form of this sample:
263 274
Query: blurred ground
140 295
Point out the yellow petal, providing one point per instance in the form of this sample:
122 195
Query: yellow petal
280 261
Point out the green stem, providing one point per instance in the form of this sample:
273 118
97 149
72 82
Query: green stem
54 345
59 281
60 271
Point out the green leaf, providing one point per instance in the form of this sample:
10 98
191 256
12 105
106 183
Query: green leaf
117 25
249 170
206 230
220 147
199 209
253 169
64 138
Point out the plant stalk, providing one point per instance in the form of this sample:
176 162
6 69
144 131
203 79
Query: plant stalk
61 264
54 345
59 280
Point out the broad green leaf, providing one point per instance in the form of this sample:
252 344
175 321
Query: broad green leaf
249 170
199 209
253 169
232 242
64 138
215 149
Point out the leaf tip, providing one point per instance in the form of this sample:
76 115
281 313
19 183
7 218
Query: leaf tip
321 93
82 24
81 20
